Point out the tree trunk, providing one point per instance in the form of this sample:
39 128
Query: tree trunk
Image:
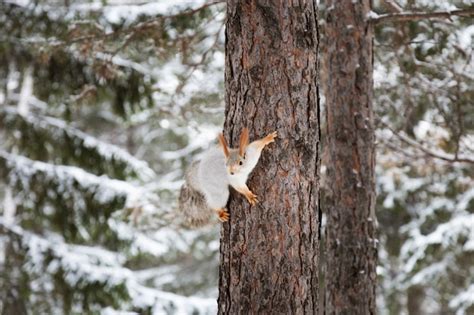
351 245
415 297
269 252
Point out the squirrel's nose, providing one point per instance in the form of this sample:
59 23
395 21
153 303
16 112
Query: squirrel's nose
231 173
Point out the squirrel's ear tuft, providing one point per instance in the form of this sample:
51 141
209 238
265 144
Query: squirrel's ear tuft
223 144
244 141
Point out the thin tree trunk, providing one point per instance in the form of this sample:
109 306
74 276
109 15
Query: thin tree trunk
269 252
351 246
415 297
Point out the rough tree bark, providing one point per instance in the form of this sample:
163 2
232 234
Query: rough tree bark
269 252
350 230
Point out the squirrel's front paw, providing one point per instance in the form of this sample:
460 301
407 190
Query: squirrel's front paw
252 198
271 137
223 215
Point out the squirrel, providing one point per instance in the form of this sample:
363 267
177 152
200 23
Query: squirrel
205 191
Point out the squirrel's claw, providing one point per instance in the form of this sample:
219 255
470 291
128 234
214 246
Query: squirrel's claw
274 135
223 215
252 198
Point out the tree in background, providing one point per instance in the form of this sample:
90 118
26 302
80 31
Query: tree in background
423 66
269 252
424 87
86 227
351 247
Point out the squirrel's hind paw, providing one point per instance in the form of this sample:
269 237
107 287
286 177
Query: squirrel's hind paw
223 215
252 198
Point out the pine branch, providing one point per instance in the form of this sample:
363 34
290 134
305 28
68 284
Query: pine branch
415 16
98 266
452 158
40 177
70 146
73 197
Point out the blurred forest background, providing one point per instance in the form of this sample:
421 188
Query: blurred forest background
104 103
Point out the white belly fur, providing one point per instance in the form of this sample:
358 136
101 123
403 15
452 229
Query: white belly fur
252 155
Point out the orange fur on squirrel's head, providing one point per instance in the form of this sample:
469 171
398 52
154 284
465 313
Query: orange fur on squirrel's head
244 141
224 146
235 157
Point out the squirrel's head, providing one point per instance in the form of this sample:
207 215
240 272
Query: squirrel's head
235 158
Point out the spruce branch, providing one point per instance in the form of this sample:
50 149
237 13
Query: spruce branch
415 16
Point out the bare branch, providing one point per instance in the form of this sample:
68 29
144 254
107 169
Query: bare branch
393 6
414 16
427 151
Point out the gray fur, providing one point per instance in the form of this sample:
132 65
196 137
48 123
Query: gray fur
193 207
205 190
212 178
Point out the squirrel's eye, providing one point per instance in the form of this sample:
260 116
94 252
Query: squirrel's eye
240 163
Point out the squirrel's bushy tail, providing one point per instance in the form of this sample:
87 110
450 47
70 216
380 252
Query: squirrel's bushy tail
192 203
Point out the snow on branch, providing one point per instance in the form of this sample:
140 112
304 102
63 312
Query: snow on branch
434 153
130 12
117 12
456 233
73 146
89 203
79 266
23 169
165 241
463 301
126 15
415 16
67 198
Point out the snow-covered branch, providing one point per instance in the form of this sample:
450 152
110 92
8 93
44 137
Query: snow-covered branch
75 146
89 268
414 16
428 151
57 196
